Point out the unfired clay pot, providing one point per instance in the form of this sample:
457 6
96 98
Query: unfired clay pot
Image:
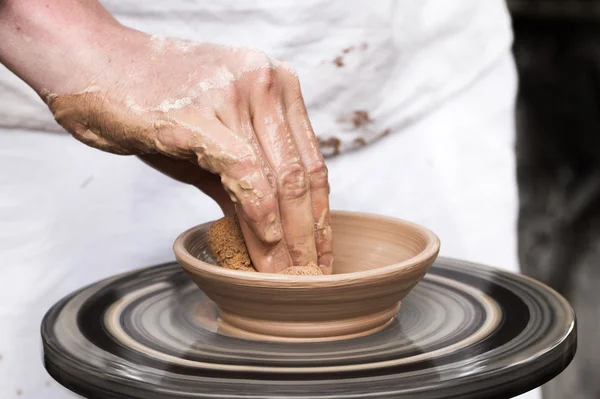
377 261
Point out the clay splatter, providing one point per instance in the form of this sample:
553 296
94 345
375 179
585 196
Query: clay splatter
332 142
385 133
361 118
360 142
339 60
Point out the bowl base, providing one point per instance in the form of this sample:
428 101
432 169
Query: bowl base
301 332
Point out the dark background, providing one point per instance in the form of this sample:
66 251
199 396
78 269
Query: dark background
557 51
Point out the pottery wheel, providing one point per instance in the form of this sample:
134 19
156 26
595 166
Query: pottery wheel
465 331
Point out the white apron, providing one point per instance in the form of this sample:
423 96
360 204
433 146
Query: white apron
423 91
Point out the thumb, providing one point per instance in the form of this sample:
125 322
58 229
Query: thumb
190 173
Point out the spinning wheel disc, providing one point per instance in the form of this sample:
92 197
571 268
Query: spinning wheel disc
465 331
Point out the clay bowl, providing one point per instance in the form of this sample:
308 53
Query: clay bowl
378 260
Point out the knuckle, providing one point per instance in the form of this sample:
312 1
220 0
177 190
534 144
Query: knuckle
289 74
258 207
250 186
254 56
292 182
289 71
266 80
318 174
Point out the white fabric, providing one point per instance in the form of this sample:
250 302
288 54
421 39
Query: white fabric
438 73
404 56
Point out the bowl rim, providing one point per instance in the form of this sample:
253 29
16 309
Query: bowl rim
192 264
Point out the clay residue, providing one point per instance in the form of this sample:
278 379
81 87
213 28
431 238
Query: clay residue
360 142
360 118
333 143
226 242
339 60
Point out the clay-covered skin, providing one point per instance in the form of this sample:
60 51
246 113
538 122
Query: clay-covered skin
226 242
235 112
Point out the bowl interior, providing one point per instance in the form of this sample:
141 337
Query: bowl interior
362 242
365 242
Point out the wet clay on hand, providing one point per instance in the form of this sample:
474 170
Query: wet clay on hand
233 112
226 242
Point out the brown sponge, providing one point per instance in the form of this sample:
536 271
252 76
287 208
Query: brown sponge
227 243
309 270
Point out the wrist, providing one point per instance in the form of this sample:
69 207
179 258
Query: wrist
49 44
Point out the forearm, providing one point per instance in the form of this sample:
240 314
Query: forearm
44 42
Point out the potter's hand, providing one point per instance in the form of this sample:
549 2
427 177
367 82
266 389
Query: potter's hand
234 112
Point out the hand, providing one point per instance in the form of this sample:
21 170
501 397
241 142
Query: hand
189 173
234 112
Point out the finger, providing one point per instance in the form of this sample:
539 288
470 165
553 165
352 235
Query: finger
249 182
266 258
218 150
274 136
312 159
246 182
